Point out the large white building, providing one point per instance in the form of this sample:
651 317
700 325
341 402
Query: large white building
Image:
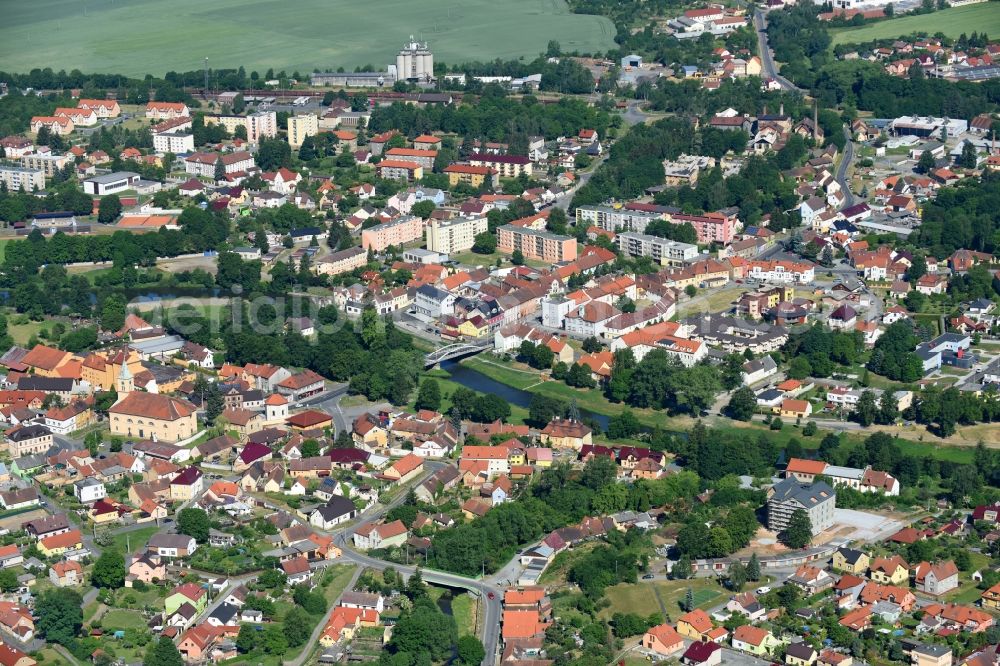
260 125
818 500
110 183
203 164
662 251
414 62
456 235
19 179
173 142
615 219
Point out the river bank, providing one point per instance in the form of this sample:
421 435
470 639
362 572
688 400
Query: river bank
516 384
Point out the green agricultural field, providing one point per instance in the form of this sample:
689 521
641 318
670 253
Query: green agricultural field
952 22
135 37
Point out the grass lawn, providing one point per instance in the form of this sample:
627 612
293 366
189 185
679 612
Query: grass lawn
134 539
340 577
21 333
641 597
138 37
951 22
117 618
712 300
464 608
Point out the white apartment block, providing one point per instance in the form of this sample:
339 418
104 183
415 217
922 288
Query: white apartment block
173 142
456 235
262 125
47 163
615 219
19 179
662 251
300 127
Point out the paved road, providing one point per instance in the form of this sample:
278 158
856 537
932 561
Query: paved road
845 163
766 55
484 587
311 643
329 402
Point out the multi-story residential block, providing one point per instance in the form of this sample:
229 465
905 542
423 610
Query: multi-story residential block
176 142
473 176
710 227
457 235
396 233
58 125
104 108
539 245
818 500
424 158
507 166
616 219
662 251
21 179
781 271
46 162
203 164
400 170
80 117
301 127
343 261
261 125
166 110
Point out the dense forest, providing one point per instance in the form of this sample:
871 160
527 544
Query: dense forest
966 216
495 117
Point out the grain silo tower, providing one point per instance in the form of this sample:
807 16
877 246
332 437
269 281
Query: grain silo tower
414 62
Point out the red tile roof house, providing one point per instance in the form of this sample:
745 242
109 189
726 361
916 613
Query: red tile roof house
301 385
297 570
703 654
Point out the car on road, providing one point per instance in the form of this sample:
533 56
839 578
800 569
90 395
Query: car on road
648 577
491 596
763 590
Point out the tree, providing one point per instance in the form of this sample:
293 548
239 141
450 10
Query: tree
753 568
246 641
968 159
220 169
194 522
517 258
682 568
429 396
109 209
272 154
866 410
113 312
272 579
109 570
423 209
742 405
888 410
737 576
60 615
8 580
297 626
310 448
470 651
592 345
926 162
274 639
798 534
690 290
689 600
485 243
163 653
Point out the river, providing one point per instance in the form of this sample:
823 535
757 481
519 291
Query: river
477 381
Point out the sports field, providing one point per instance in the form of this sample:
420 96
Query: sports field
951 22
135 37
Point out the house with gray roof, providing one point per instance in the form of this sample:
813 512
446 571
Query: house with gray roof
817 499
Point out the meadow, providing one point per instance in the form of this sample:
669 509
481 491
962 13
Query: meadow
136 37
950 22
